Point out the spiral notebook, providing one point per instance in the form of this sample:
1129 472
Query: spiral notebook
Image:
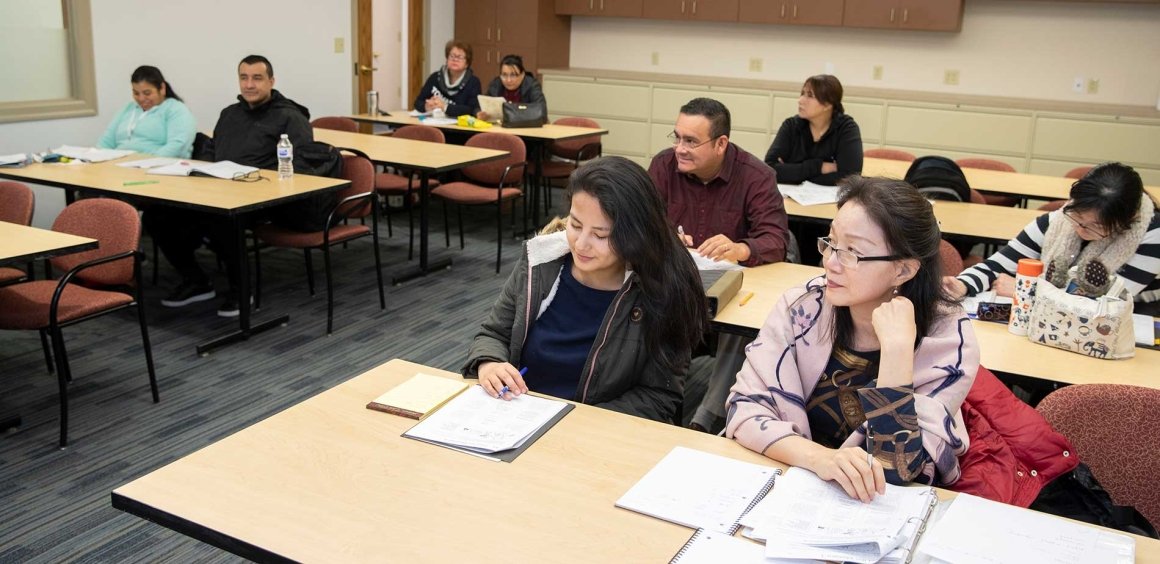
700 490
711 547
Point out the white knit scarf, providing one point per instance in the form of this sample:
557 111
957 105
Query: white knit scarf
1099 260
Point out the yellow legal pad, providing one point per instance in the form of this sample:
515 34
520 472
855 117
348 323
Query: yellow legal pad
418 396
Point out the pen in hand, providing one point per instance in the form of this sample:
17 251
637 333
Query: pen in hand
506 389
869 448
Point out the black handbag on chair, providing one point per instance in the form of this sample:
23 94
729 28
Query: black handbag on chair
525 114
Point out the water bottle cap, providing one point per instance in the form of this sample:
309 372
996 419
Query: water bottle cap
284 136
1029 267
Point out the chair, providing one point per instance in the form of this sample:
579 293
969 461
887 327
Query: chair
1114 428
1052 205
390 184
49 306
991 164
892 154
356 202
487 183
337 123
573 151
952 262
17 203
1078 172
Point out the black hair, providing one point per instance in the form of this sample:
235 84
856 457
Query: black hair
255 59
911 230
1113 191
827 89
714 111
675 311
513 61
153 76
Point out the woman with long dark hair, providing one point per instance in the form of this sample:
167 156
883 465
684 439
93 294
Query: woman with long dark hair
605 312
155 122
859 374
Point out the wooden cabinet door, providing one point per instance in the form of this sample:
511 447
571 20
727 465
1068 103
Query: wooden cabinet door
475 21
815 12
764 11
871 13
931 15
665 9
618 8
515 23
713 10
575 7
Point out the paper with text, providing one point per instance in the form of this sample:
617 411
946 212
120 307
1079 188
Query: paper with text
478 422
706 263
712 547
809 194
90 154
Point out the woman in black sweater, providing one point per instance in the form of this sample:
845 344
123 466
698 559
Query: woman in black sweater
821 144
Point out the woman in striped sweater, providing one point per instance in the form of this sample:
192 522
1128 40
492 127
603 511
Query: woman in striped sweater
1109 225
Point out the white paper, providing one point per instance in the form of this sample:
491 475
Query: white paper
149 163
809 194
706 263
979 531
18 158
226 170
440 121
91 154
711 547
493 105
481 423
698 489
1145 329
417 113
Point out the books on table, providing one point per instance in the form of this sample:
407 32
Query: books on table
227 170
809 194
91 154
418 396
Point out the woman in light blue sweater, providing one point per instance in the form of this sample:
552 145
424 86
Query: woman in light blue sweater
155 122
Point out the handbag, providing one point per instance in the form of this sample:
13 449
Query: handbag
1099 327
525 114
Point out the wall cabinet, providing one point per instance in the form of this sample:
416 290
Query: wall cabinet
698 10
792 12
611 8
528 28
923 15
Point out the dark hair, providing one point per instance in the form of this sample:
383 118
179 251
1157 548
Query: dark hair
1113 191
911 230
675 311
255 59
827 89
457 44
153 76
714 111
513 61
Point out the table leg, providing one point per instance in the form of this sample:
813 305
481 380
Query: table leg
425 265
537 183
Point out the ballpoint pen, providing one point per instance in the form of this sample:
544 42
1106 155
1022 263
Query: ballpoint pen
506 389
869 447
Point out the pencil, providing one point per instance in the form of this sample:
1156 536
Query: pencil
139 182
745 299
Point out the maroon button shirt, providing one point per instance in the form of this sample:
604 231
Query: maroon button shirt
741 203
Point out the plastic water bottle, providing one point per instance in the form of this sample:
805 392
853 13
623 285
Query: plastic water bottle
1027 274
285 158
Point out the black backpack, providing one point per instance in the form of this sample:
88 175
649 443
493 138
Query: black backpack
309 214
939 178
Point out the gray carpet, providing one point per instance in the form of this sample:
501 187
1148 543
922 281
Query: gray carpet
54 504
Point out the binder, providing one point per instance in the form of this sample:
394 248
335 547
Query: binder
720 287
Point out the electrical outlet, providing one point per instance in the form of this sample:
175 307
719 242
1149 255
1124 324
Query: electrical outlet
339 44
1077 85
951 77
755 64
877 72
656 58
1093 86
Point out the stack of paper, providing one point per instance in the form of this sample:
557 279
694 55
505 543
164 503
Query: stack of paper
13 160
706 263
90 154
810 194
418 396
478 423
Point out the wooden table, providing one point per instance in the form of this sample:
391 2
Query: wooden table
1000 350
427 158
978 222
212 195
328 480
21 243
536 137
1019 184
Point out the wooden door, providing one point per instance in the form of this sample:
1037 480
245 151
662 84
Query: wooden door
416 65
871 13
816 12
931 15
713 10
665 9
618 8
364 55
764 11
575 7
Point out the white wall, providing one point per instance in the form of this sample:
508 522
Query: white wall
440 29
1009 48
198 48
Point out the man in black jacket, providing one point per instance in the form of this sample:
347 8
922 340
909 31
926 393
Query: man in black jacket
246 133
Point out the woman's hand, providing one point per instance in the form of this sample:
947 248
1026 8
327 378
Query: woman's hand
829 166
849 468
483 116
434 103
894 324
494 376
954 287
1004 286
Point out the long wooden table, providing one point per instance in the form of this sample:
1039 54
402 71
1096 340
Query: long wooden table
427 159
978 222
224 197
1000 350
329 480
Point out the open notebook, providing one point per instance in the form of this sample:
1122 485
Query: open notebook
227 170
419 395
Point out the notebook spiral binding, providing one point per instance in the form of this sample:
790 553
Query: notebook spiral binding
688 544
753 502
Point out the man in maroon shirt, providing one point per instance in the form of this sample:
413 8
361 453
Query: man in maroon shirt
725 202
724 199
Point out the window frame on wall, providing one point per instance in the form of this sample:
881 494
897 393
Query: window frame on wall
82 99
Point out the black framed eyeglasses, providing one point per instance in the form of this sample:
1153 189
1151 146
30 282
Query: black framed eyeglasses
1096 230
689 144
846 257
252 176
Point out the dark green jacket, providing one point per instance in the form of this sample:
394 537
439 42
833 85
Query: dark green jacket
619 374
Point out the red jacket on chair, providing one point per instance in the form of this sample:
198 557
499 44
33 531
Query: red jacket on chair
1013 451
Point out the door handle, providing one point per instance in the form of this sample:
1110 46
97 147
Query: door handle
489 34
682 6
782 16
905 14
694 7
367 70
892 15
795 11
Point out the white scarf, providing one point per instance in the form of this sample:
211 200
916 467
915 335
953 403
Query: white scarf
1099 260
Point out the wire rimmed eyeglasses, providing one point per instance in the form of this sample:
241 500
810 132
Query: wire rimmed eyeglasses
846 257
685 142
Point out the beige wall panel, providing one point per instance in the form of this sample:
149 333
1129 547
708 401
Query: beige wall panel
1068 139
783 107
658 139
748 111
642 161
755 143
625 136
598 98
957 129
869 118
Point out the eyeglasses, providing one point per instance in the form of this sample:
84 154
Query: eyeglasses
846 257
685 142
456 57
507 75
1093 229
252 176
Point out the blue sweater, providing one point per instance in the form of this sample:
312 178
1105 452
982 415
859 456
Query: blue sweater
166 130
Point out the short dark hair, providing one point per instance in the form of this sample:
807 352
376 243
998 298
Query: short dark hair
714 111
153 76
1113 191
513 61
457 44
255 59
827 89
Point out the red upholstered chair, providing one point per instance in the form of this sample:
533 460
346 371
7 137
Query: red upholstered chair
1052 205
1078 172
493 182
16 205
406 182
892 154
356 202
991 164
977 197
336 122
1114 428
95 282
952 263
573 151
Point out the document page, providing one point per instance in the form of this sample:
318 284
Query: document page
809 194
90 154
149 163
478 422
